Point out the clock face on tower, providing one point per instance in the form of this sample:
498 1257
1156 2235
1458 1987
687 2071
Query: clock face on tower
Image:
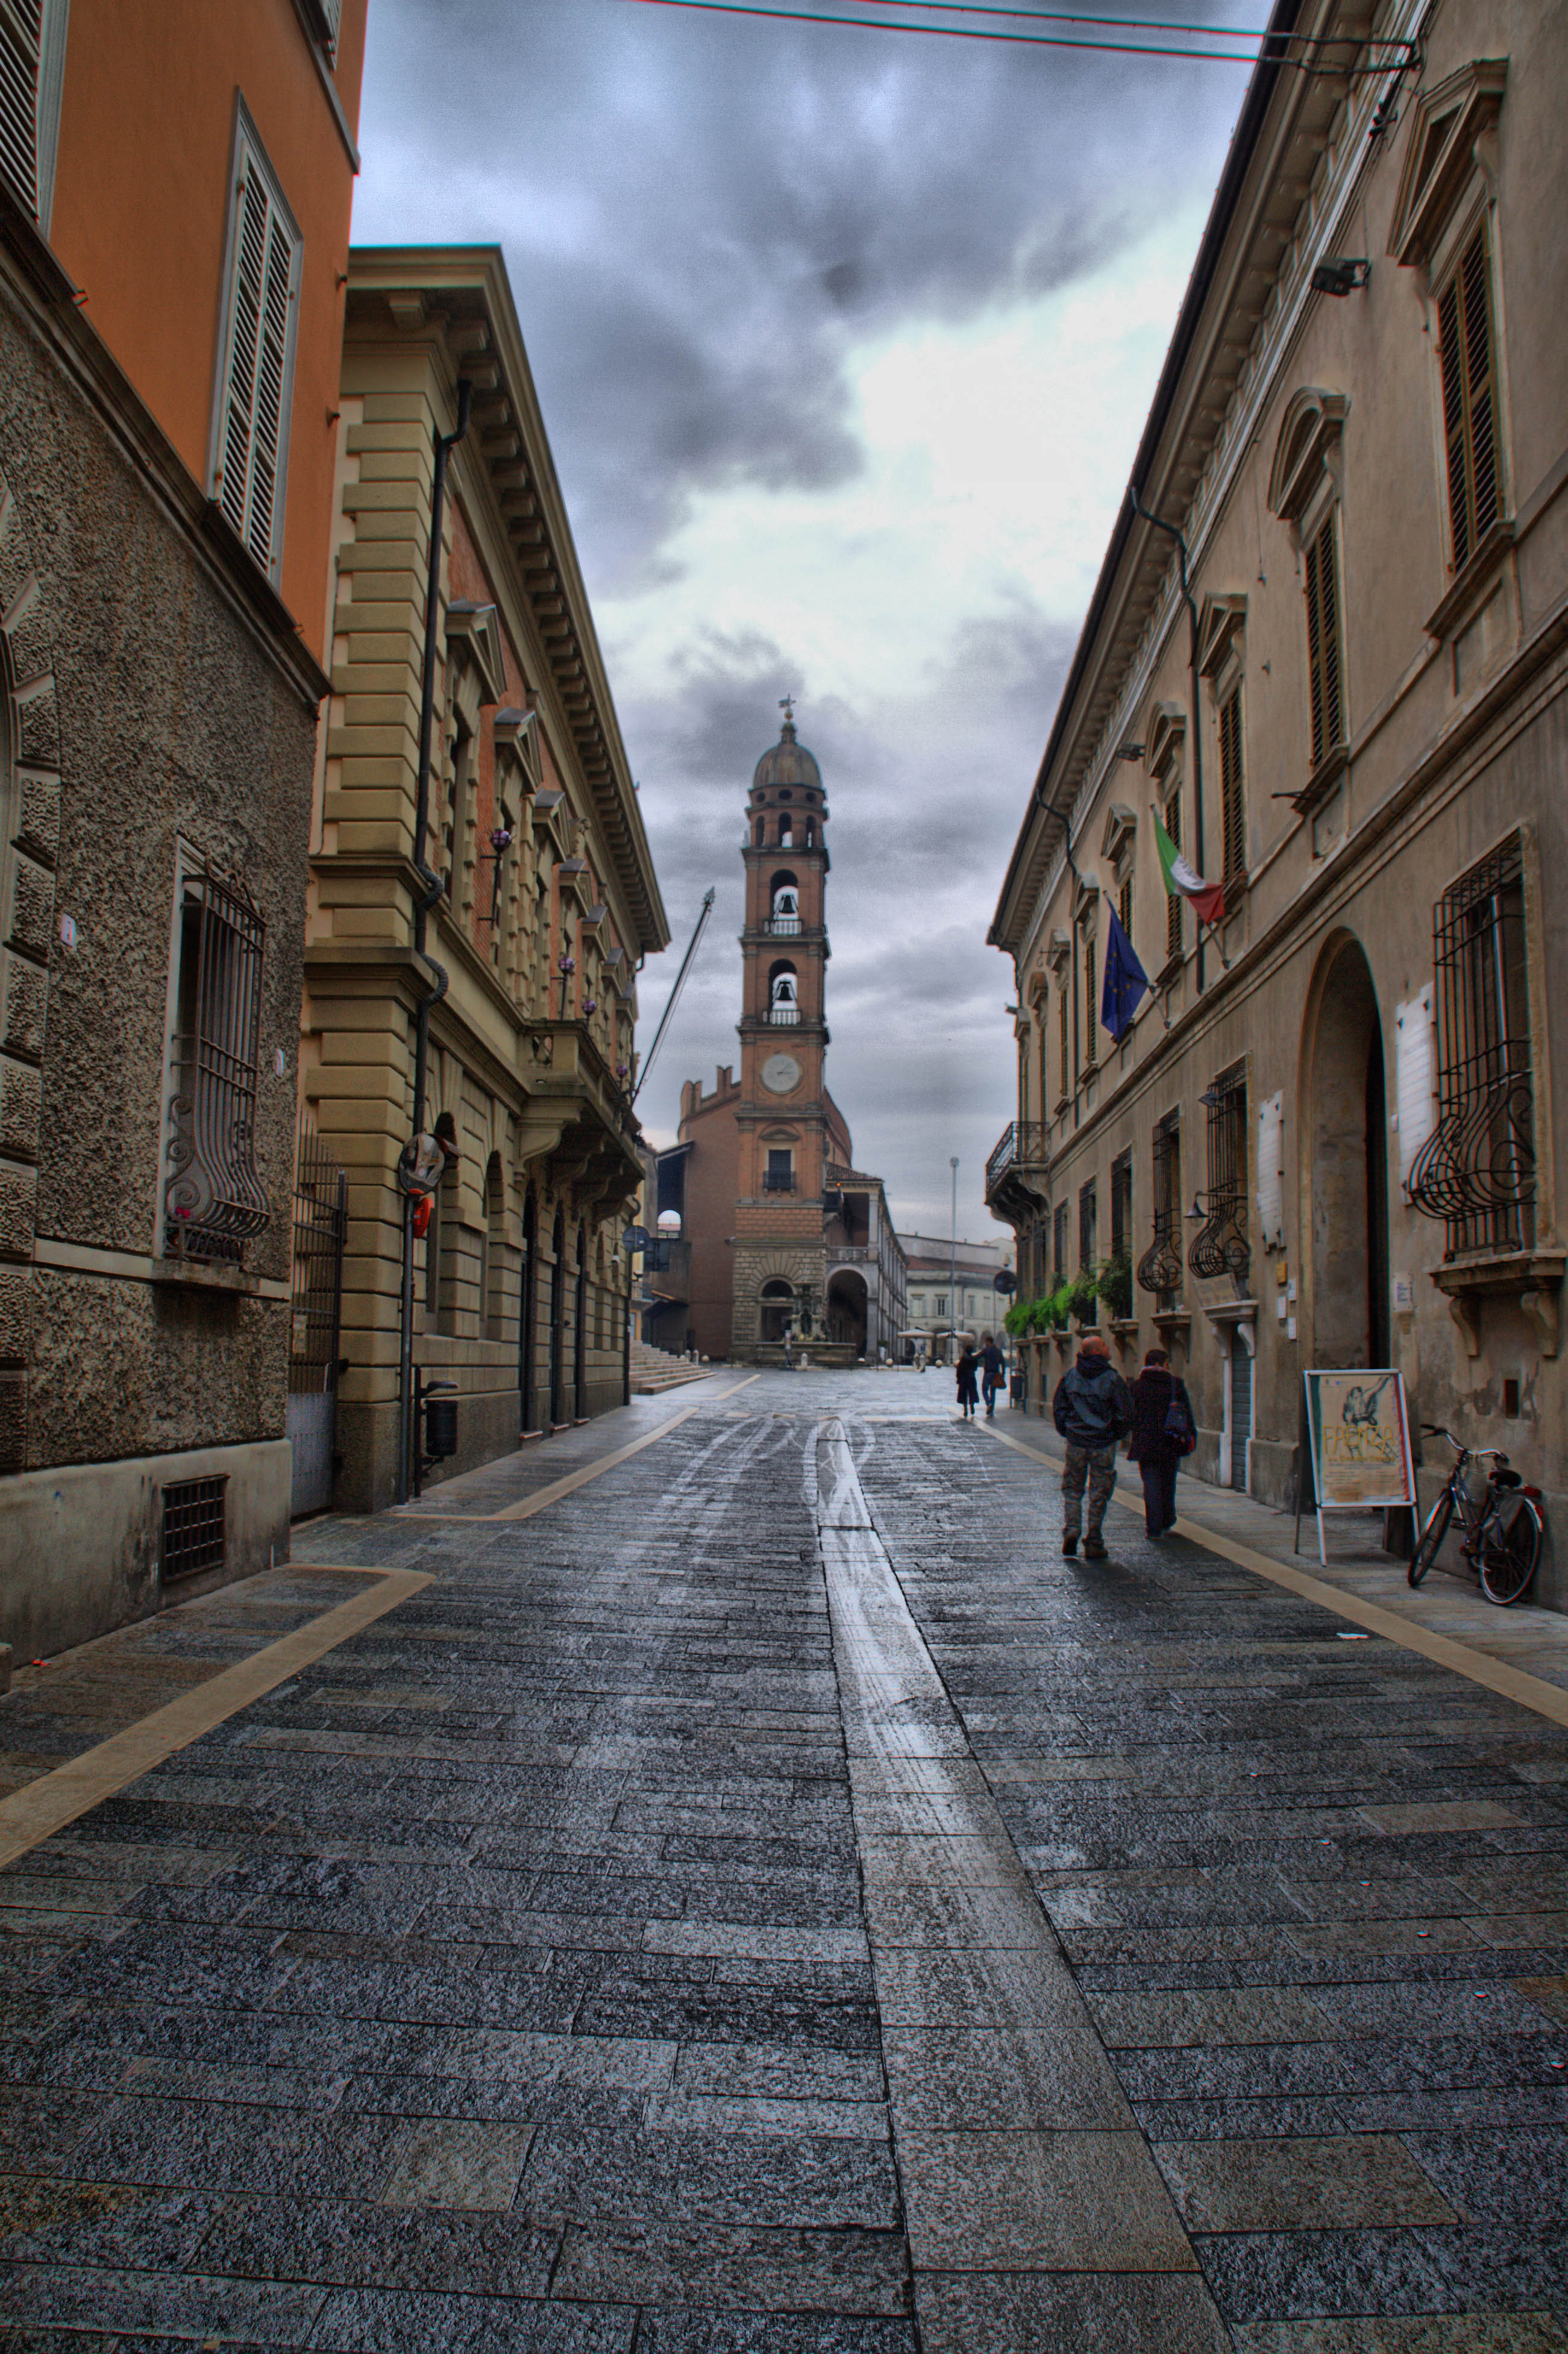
781 1075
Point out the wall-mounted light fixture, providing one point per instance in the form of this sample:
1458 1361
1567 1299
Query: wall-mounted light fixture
1340 276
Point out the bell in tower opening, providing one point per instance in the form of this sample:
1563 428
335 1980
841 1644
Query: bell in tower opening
779 1272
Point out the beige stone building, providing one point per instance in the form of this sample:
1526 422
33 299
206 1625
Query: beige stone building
1329 1137
542 900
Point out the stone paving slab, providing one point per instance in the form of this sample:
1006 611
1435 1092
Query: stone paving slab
769 1898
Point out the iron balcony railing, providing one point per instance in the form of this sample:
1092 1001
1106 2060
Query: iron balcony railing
1160 1269
1019 1145
779 1182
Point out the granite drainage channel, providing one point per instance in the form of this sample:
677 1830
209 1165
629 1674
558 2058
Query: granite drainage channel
1035 2213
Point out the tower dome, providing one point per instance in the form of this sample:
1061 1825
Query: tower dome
787 762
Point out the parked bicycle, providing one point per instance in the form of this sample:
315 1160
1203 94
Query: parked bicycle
1501 1529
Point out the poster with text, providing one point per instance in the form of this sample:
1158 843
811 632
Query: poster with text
1361 1436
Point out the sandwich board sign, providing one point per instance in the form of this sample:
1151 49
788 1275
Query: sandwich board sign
1357 1433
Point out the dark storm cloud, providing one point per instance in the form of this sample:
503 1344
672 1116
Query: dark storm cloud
698 214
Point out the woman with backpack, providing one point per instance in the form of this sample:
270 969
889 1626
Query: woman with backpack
1162 1432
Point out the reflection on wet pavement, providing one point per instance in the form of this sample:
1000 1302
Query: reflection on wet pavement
769 1898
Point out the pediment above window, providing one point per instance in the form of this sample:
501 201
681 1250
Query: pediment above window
1439 154
1038 986
1059 950
1163 737
1086 898
1121 831
1221 621
517 741
476 628
1309 434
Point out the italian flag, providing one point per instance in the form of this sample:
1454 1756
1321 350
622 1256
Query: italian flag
1180 883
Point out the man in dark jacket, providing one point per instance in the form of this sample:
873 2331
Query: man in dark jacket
1093 1413
1155 1447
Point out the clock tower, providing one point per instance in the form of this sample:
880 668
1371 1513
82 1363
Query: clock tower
788 1129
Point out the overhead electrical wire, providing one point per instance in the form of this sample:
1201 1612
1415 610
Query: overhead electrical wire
1378 66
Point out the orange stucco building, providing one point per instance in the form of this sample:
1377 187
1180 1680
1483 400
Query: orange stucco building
175 186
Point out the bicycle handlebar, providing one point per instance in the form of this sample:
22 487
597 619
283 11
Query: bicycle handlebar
1458 1445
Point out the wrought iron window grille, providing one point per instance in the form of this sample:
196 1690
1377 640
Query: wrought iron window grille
1220 1246
1477 1170
195 1531
1159 1269
215 1201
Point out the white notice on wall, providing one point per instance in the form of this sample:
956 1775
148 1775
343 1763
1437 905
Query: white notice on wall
1271 1171
1416 1078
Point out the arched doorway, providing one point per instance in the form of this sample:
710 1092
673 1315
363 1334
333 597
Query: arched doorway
847 1309
1344 1161
579 1334
557 1319
778 1309
528 1315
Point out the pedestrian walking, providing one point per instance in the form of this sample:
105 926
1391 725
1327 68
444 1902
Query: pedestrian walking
993 1372
1163 1431
969 1366
1093 1413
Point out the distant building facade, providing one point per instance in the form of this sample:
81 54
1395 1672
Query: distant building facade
783 1238
941 1307
170 316
1333 1134
542 899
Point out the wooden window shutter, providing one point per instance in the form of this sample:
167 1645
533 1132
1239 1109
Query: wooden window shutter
1091 1009
1061 1024
257 380
1124 905
1470 400
1233 793
1323 642
1173 904
21 32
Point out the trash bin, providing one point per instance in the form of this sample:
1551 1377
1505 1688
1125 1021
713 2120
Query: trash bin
440 1427
1015 1387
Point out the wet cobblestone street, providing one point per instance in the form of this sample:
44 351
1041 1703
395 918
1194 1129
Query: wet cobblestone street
764 1897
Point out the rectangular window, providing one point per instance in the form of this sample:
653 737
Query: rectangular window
1121 1206
1159 1269
1062 1026
1232 788
1091 1009
1059 1243
1173 903
214 1199
1477 1170
1044 1079
21 29
941 1306
256 378
1466 358
195 1537
328 20
779 1177
1323 652
1220 1246
1088 1225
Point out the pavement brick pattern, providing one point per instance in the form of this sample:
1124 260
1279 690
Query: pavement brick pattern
769 1899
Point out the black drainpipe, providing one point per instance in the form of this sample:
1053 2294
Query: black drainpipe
430 890
1160 524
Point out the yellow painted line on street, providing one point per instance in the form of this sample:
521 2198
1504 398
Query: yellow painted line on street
1479 1667
45 1807
526 1506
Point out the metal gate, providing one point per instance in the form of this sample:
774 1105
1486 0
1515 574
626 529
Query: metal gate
321 1206
1241 1408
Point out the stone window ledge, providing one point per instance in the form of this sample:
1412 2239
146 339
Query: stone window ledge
1468 587
1532 1277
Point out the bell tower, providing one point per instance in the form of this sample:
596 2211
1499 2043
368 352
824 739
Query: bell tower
784 1116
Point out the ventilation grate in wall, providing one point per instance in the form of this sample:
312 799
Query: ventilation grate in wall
193 1526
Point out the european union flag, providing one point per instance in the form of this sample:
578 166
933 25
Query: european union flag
1126 982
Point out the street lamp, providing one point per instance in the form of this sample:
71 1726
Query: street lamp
953 1269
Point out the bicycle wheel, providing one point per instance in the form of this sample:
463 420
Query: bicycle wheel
1509 1552
1431 1537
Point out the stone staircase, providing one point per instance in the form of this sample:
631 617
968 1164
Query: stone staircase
654 1369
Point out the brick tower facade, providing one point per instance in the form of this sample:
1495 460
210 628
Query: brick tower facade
790 1130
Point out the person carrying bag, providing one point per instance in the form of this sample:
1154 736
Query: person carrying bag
1163 1433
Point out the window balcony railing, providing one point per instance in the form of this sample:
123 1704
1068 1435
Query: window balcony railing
778 1181
1022 1145
784 1014
779 925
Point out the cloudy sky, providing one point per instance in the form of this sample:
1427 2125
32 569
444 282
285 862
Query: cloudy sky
844 340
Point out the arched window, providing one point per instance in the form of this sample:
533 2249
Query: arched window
783 997
761 830
810 832
785 903
786 831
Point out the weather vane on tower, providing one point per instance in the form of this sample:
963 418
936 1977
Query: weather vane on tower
787 706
